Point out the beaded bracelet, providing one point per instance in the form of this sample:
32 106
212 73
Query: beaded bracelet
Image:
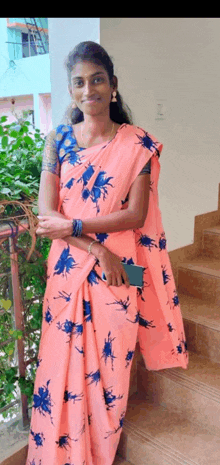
89 248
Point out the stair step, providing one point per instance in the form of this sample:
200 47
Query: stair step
120 461
203 264
155 435
212 230
200 277
211 242
200 311
202 325
199 384
13 442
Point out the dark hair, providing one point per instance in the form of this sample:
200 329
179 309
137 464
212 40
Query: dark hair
95 53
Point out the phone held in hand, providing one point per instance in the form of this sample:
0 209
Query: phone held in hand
134 272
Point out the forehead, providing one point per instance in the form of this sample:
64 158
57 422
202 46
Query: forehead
86 69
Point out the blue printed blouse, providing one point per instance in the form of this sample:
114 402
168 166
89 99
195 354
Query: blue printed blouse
54 155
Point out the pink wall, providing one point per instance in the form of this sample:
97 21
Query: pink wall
45 113
26 102
22 102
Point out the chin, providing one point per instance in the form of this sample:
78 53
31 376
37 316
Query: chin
93 112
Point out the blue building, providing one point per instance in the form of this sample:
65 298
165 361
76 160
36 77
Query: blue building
25 87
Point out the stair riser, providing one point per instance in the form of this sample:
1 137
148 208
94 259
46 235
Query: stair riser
139 452
199 284
211 244
18 458
202 340
158 389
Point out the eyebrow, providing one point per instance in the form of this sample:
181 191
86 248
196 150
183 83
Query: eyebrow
92 75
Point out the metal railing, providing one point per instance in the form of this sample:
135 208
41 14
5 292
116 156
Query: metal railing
6 232
28 49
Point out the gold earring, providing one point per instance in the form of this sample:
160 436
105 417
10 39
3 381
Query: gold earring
114 96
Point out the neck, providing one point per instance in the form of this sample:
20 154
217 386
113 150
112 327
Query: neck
96 125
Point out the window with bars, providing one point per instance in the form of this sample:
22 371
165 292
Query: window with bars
29 47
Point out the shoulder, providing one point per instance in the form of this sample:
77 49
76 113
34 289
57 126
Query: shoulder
50 137
144 139
63 128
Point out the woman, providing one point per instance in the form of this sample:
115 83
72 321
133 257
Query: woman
98 201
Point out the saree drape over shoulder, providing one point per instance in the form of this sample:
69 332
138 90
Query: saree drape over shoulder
89 331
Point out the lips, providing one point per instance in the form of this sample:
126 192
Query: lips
92 99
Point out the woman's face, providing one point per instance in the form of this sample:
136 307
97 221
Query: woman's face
90 88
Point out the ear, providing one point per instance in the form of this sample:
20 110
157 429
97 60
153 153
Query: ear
114 83
70 90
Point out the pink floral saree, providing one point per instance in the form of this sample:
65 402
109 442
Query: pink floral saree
89 331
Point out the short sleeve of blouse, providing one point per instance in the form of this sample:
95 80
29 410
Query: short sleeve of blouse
50 160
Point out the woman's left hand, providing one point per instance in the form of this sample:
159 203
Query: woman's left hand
54 227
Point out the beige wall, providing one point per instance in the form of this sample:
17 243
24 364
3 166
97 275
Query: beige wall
174 62
64 34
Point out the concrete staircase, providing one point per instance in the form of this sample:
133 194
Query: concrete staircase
173 415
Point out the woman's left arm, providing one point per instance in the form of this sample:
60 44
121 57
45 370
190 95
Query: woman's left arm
131 217
113 222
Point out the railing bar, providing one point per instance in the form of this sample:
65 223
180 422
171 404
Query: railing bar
18 322
17 309
3 409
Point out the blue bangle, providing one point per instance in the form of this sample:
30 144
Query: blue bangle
77 228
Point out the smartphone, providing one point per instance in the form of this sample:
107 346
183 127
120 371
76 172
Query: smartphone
134 272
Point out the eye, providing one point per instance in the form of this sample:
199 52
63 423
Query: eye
99 79
77 82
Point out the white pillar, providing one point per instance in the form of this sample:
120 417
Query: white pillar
36 111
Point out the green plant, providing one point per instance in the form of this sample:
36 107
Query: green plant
20 169
20 161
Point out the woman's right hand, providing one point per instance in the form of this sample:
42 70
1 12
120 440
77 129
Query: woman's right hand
113 269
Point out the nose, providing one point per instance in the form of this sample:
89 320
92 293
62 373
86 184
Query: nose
87 89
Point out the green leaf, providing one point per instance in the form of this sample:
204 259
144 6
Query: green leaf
1 131
5 190
19 183
28 140
4 141
35 210
3 119
13 134
29 294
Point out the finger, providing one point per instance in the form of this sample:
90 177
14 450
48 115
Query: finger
119 280
126 280
114 281
108 279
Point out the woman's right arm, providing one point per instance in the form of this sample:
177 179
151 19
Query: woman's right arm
48 204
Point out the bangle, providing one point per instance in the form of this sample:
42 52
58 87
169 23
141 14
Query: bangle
77 228
89 248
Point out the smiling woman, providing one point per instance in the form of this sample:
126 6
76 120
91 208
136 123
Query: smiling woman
91 91
94 53
99 176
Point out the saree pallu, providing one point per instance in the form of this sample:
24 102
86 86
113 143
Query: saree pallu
89 331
